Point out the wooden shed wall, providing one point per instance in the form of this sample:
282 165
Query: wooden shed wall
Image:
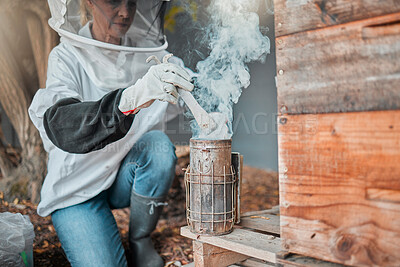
339 186
292 16
350 67
338 79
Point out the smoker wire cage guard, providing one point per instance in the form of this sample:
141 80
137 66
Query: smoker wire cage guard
212 188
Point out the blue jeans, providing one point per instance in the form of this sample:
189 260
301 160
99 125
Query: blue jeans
88 231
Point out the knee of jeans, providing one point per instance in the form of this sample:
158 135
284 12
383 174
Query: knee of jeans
155 136
157 142
160 150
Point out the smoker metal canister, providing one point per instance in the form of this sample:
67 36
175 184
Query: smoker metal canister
211 187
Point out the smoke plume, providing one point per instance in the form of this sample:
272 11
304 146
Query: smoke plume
235 40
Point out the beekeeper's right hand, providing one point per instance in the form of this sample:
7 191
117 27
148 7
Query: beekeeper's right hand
159 83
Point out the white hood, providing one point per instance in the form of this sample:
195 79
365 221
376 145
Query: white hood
108 65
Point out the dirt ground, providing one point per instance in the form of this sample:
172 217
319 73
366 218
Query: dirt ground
259 191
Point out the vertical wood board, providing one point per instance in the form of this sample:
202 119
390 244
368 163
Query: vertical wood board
339 178
292 16
206 255
352 67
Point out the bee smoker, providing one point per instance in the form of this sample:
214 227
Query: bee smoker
213 187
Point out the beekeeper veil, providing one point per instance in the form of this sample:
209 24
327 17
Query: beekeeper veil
108 65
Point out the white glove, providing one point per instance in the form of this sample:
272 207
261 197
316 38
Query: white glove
159 83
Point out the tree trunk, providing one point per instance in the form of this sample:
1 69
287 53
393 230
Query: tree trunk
25 43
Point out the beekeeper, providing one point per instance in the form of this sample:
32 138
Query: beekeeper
98 117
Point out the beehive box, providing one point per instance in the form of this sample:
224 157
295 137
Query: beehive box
338 80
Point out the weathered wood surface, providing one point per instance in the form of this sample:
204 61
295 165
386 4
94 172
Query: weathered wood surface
256 245
292 16
263 222
295 260
206 255
352 67
274 210
252 262
334 173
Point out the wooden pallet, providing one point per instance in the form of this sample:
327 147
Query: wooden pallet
257 236
255 242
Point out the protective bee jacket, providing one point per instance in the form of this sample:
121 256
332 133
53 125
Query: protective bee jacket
84 133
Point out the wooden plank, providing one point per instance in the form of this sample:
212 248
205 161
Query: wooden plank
274 210
341 69
383 194
325 173
292 16
206 255
251 262
294 260
262 222
242 241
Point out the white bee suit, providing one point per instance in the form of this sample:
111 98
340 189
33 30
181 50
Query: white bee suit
85 69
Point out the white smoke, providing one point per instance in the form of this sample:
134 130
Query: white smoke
235 40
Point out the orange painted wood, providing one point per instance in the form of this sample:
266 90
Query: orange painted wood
339 178
292 16
351 67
